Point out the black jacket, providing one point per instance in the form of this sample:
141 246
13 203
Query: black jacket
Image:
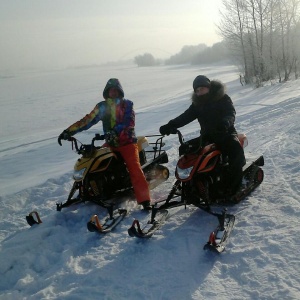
215 114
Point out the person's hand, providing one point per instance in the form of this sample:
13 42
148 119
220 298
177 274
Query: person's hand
65 135
167 129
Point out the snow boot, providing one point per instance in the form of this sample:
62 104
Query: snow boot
146 205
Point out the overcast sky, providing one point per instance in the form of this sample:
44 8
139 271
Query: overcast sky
62 33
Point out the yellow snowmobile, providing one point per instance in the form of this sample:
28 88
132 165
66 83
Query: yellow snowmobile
100 174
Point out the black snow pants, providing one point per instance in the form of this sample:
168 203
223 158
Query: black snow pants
232 148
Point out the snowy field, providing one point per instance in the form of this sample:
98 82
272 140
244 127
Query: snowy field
60 259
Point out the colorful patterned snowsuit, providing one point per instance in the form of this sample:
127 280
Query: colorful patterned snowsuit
118 118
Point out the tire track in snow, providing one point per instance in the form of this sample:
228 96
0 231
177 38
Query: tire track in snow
281 148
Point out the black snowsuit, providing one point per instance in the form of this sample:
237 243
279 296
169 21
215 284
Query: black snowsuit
216 115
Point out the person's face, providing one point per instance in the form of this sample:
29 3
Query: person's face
202 90
113 93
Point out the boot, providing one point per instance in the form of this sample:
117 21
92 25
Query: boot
146 205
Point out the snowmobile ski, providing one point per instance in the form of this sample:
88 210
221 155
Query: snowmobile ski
31 220
219 237
110 222
157 220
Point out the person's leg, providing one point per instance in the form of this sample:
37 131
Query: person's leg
236 160
130 155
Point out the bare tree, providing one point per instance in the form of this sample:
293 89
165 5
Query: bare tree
264 34
232 29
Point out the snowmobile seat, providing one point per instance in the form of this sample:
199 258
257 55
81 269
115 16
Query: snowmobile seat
142 143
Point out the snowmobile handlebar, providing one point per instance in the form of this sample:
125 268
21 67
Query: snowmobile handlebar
180 136
98 137
74 141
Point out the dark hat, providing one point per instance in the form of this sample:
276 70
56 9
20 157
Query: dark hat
202 81
113 83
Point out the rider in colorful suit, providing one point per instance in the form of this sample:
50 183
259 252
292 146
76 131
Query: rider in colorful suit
118 118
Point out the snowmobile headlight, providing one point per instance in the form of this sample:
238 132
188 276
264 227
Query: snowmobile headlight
78 175
184 173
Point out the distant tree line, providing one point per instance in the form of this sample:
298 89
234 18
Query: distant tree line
189 54
215 53
264 37
186 55
146 60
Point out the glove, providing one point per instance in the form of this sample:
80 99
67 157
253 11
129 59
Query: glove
167 129
65 135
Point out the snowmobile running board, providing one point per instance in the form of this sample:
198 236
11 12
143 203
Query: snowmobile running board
101 203
60 206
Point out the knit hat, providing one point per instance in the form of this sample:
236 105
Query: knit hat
201 81
113 83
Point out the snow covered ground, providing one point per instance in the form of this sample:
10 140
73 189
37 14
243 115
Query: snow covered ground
60 259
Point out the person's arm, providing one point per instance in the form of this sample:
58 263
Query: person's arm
86 122
229 113
185 118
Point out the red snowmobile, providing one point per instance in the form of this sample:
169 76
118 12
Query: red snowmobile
200 175
199 181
